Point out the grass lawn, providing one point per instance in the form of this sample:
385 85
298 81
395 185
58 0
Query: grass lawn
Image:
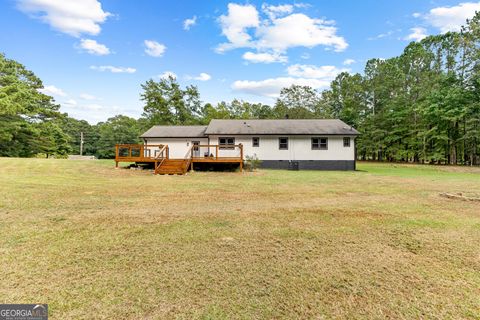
95 242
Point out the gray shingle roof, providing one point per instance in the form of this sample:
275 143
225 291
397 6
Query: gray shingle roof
283 126
253 127
175 132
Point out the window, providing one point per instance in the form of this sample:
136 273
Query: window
255 142
346 142
319 143
283 143
226 141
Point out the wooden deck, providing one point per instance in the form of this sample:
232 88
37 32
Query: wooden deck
219 159
139 153
159 155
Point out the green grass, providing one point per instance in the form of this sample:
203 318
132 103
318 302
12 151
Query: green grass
95 242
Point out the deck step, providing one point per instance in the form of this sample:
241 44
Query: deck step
172 166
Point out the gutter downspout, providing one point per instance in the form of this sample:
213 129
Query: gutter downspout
355 154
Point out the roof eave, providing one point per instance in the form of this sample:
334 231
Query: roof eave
285 133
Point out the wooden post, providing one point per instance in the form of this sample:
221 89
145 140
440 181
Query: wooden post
168 152
216 152
116 156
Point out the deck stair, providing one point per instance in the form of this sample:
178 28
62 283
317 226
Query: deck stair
172 166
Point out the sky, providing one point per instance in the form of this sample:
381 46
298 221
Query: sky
93 55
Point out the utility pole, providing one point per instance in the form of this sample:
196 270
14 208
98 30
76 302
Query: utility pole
81 143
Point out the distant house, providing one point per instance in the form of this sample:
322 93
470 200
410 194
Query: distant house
316 144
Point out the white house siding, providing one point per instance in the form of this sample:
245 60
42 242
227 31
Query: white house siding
299 153
299 148
178 147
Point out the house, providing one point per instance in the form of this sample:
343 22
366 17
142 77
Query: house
316 144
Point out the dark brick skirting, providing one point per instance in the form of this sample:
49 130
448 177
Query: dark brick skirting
310 164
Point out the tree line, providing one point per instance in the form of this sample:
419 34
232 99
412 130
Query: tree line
421 106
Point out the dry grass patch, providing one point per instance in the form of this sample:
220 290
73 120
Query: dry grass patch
95 242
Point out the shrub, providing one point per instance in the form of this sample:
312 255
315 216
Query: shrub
252 162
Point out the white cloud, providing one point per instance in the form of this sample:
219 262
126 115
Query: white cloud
114 69
70 103
317 77
271 87
327 73
275 11
450 18
201 77
167 74
93 47
302 5
51 90
154 49
305 56
235 24
279 32
188 23
89 106
264 57
72 17
417 34
93 106
95 112
416 15
299 30
381 35
348 62
86 96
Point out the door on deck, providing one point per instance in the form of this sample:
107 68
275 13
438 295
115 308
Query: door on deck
196 149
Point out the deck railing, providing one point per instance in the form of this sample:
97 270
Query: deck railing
160 157
215 152
138 152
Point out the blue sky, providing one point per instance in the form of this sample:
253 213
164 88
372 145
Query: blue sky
93 55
